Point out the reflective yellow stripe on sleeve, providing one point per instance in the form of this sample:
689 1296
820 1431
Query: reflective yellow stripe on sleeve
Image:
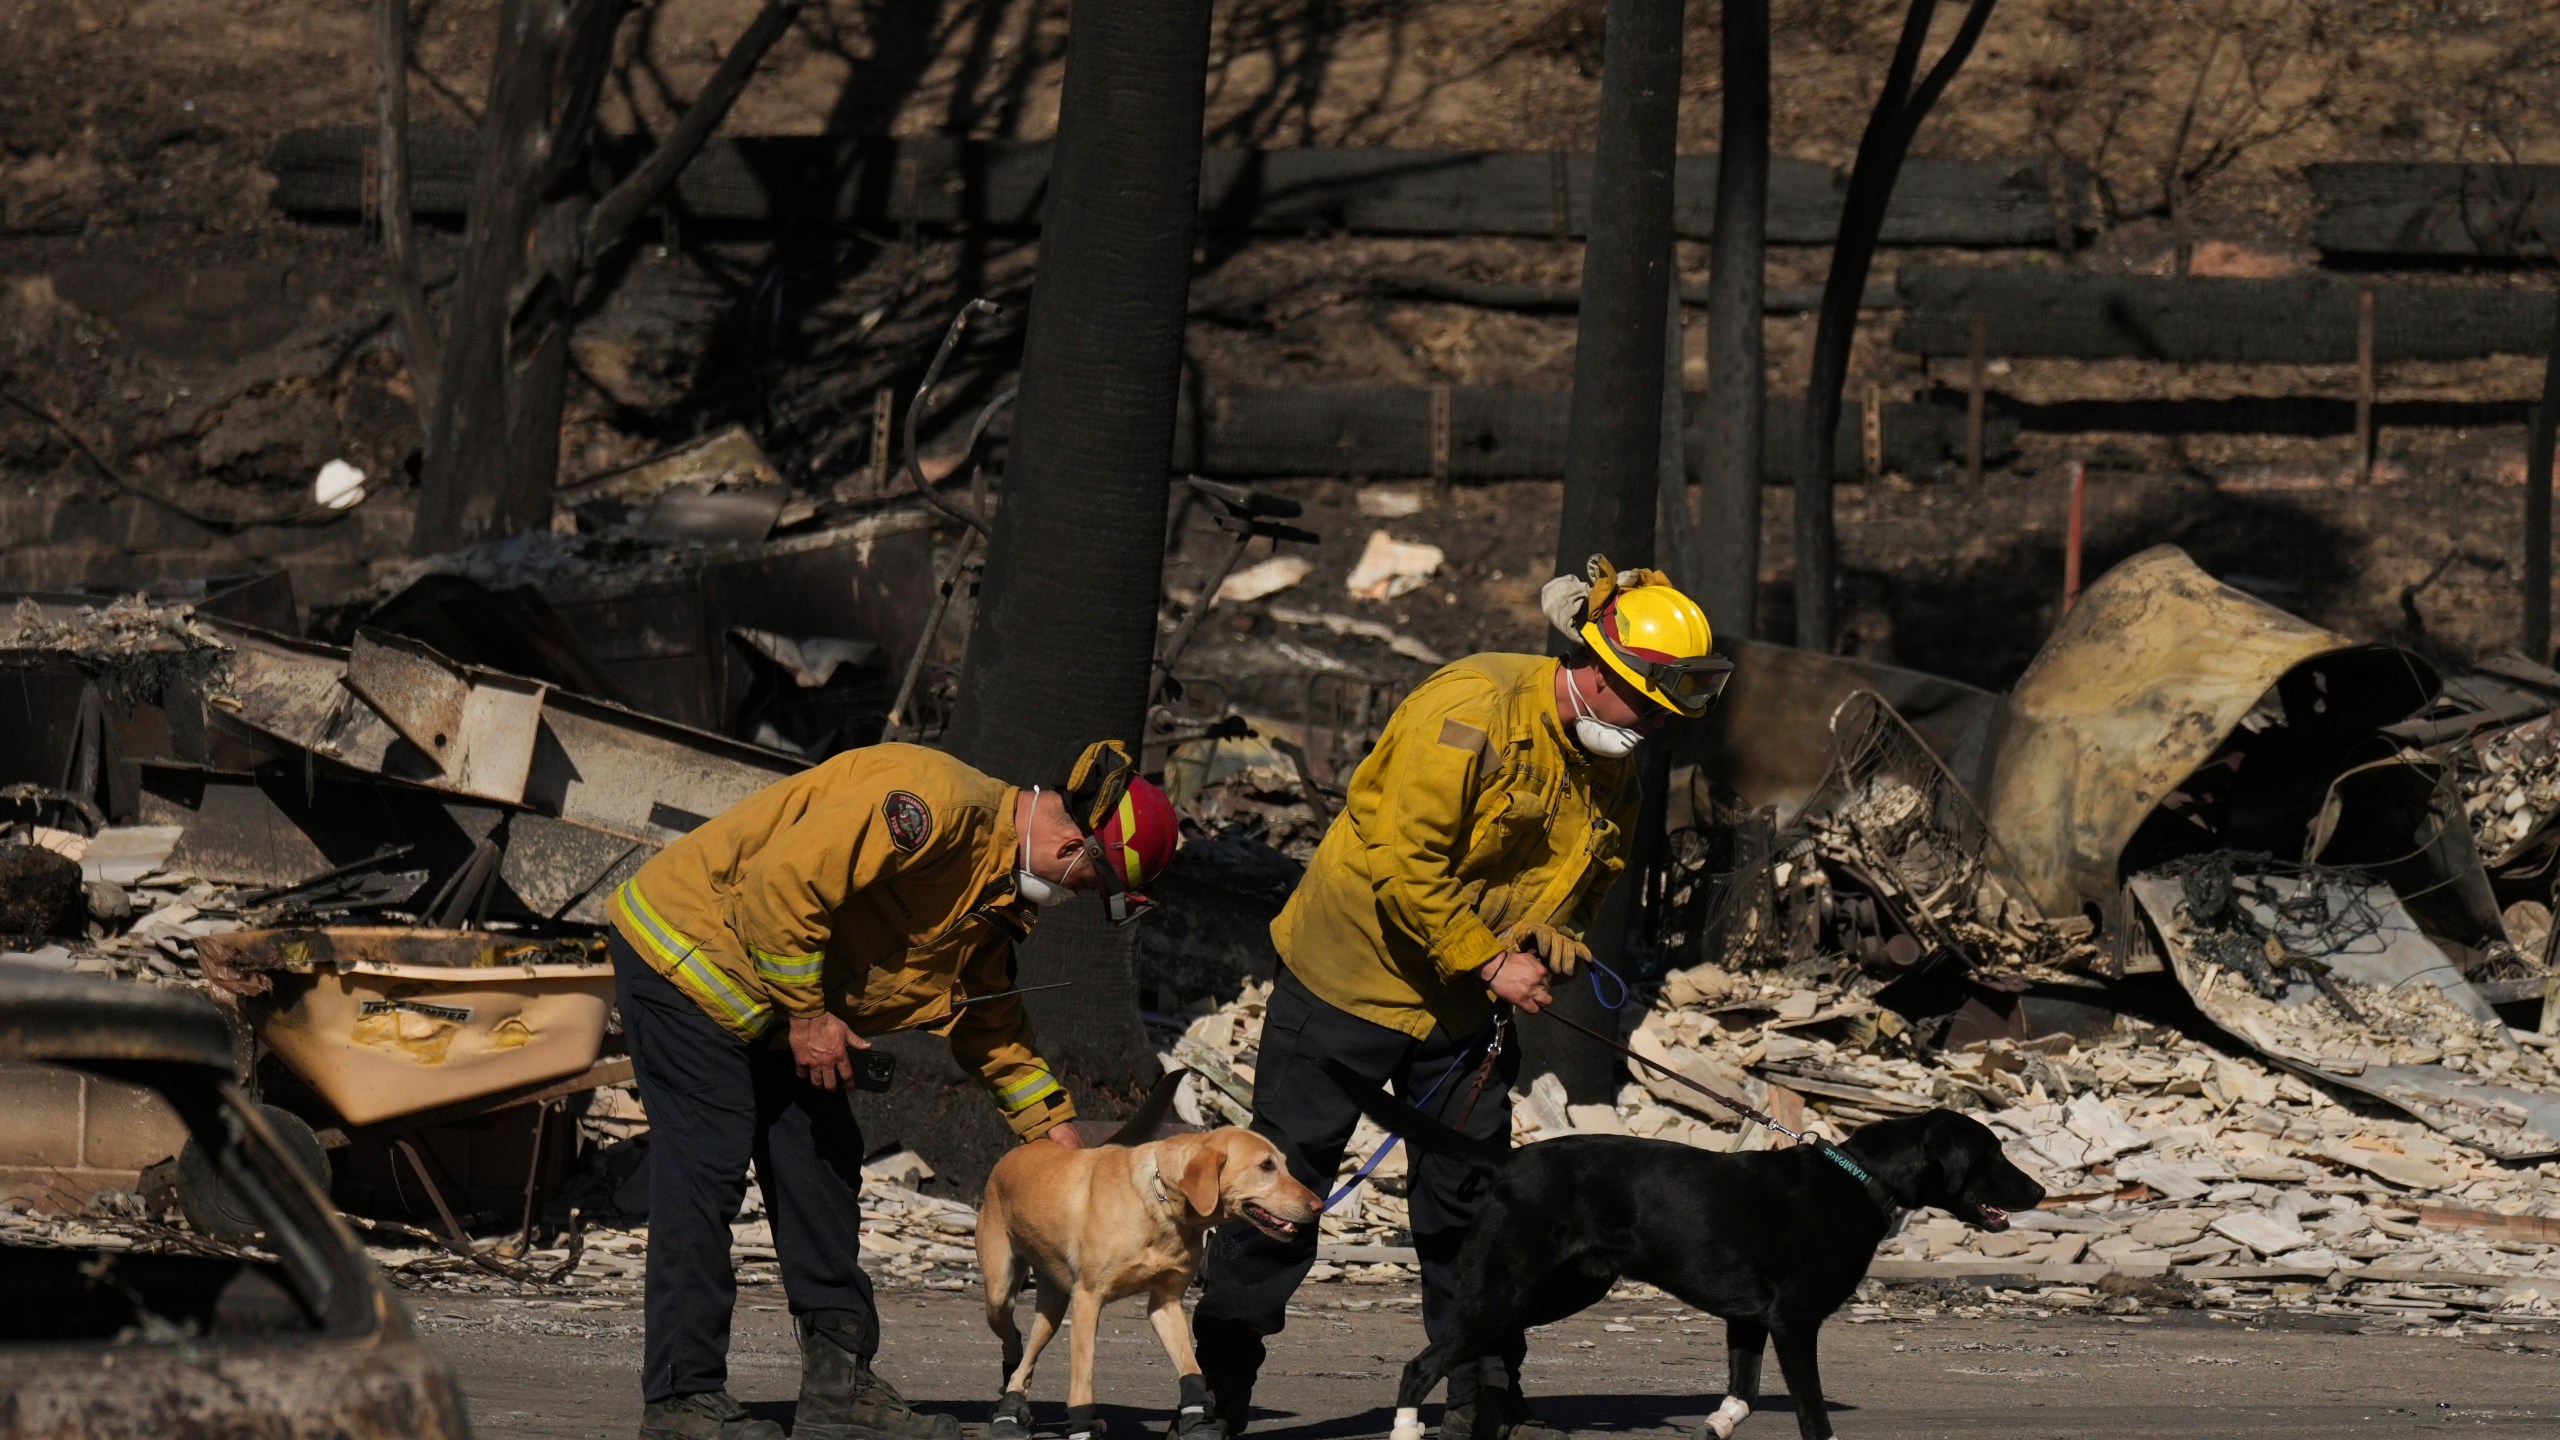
711 989
787 969
1026 1092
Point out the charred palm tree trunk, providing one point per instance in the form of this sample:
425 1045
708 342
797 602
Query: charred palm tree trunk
1064 640
1737 377
1897 116
1614 436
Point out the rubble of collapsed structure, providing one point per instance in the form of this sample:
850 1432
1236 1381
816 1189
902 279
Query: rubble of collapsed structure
2238 932
2244 949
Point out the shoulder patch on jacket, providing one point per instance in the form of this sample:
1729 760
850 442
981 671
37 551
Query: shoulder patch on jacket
910 822
1459 735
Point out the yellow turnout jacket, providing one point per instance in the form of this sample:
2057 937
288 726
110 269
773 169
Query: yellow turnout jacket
878 885
1475 816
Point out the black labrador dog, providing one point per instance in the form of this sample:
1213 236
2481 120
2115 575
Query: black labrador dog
1770 1242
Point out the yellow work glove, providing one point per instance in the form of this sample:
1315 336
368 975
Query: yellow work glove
1562 953
1606 580
1569 600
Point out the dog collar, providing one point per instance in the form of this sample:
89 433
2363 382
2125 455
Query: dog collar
1885 1199
1164 1191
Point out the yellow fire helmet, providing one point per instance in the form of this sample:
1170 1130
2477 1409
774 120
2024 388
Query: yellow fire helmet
1655 637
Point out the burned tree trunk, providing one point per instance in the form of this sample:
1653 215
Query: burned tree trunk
491 387
1064 640
2539 439
1896 118
1614 434
1737 378
507 342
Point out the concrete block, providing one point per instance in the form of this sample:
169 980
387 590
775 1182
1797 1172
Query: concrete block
56 1192
40 1116
129 1128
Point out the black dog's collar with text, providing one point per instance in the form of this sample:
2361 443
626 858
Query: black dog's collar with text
1885 1199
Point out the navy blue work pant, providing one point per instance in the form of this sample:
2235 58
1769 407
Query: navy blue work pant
1250 1275
715 1102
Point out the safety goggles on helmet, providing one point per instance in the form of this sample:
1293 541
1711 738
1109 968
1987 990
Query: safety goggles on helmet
1690 682
1138 823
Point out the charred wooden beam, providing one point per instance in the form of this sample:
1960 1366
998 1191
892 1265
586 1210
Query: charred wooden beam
2300 320
1384 432
2436 210
937 180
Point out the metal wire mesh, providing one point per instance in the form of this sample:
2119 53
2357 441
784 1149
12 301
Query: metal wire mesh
1890 809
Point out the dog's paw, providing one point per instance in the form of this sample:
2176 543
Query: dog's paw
1728 1416
1011 1419
1408 1424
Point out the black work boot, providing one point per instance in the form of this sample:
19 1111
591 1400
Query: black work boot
708 1416
1512 1417
1489 1406
1011 1419
840 1399
1458 1406
1195 1417
1230 1355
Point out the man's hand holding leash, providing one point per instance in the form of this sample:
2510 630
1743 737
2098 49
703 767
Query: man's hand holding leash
1520 979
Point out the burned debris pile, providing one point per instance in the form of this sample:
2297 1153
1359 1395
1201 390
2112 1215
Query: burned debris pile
2205 918
2238 931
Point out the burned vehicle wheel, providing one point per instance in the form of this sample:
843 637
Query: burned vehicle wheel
217 1210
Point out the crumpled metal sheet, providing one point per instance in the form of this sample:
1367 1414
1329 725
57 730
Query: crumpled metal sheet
596 765
2503 1120
2147 676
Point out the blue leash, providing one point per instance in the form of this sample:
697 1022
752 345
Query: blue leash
1378 1156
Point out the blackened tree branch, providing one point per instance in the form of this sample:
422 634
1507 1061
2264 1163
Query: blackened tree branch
1895 120
628 201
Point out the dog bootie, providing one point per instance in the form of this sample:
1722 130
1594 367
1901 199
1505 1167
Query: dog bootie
712 1415
1011 1419
840 1399
1196 1417
1081 1424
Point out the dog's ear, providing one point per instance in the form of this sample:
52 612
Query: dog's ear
1200 1176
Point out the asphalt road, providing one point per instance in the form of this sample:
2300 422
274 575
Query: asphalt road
535 1368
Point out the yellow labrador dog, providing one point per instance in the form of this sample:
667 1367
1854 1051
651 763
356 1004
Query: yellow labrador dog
1101 1224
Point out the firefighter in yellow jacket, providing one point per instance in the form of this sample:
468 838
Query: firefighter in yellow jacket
882 890
1474 843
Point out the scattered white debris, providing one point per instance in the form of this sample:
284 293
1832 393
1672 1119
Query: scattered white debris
1269 577
1389 567
1392 502
338 486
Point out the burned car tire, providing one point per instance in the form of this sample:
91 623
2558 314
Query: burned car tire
213 1209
